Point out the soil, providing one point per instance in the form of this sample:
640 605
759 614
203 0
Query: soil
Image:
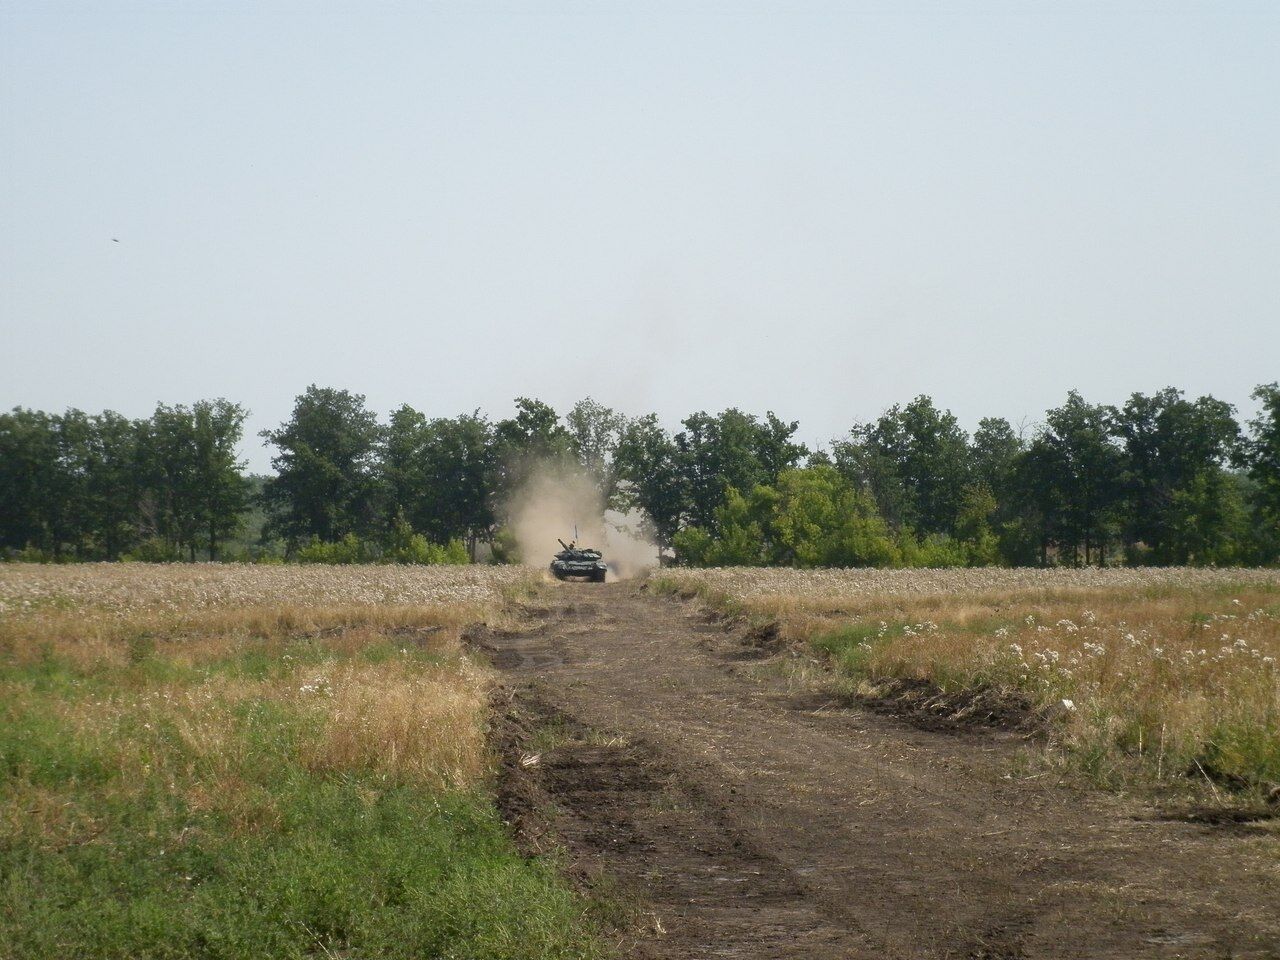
744 814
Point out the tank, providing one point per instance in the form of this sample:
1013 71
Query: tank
575 562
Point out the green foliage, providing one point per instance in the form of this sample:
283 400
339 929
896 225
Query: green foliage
190 457
978 509
153 550
994 456
934 550
822 520
100 487
741 522
325 483
693 547
437 474
733 450
403 546
915 461
852 646
1180 504
1070 477
1242 753
595 431
533 437
505 549
350 549
650 478
813 517
1261 456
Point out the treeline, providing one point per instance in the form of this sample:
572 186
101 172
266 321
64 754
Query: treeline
101 487
1163 479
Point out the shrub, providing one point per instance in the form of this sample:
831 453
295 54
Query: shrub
154 550
349 549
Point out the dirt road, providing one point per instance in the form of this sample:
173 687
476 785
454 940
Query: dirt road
757 820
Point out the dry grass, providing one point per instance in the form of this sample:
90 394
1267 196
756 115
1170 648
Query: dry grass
94 613
186 587
423 726
327 666
1174 667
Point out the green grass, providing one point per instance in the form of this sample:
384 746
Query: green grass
121 836
850 647
398 874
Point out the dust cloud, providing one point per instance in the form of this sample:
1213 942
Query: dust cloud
557 499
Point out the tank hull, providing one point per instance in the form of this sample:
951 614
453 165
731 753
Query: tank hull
593 570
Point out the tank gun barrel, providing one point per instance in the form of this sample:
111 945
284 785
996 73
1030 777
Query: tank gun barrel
562 543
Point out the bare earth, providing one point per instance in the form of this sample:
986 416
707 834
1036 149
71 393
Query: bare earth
751 819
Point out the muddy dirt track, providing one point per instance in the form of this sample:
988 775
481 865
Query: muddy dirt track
753 819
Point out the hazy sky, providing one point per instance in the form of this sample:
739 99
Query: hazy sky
816 208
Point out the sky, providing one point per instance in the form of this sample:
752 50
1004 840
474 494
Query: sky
820 209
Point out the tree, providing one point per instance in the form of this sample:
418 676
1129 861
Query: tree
325 481
733 449
43 485
221 489
534 431
1178 503
742 525
978 508
823 520
27 461
113 482
915 461
169 476
1205 521
190 466
94 485
994 455
1072 473
648 468
458 463
405 488
812 517
594 434
1261 457
67 496
533 438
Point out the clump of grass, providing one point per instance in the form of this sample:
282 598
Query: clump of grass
402 722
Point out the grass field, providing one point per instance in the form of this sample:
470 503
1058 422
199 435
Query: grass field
1160 675
210 761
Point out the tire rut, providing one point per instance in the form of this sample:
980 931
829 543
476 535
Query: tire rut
620 811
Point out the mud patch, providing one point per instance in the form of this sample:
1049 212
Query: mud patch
1248 819
735 640
511 650
927 707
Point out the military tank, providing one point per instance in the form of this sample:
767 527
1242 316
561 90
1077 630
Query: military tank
575 562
